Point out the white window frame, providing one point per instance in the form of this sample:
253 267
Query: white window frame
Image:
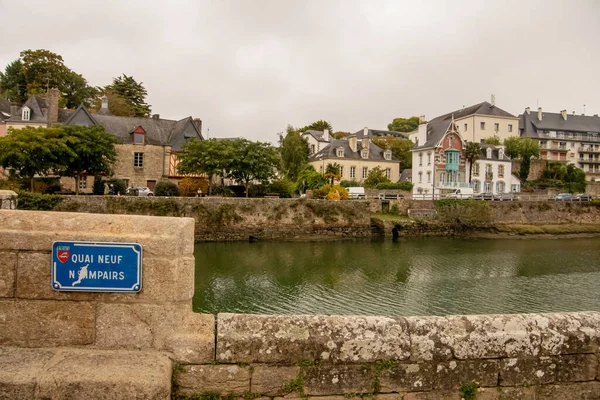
365 172
137 135
510 127
428 158
341 171
364 153
482 125
496 127
387 155
388 173
83 182
420 159
353 172
26 114
420 177
428 176
340 152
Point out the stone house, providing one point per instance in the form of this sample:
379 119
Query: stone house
356 158
146 147
572 139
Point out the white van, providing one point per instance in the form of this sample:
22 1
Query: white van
462 193
356 192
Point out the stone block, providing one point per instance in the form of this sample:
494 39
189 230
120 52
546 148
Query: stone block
406 377
389 396
527 371
106 375
338 379
270 380
43 323
8 266
576 368
174 328
569 333
221 379
427 342
163 279
292 339
19 371
581 390
453 374
36 230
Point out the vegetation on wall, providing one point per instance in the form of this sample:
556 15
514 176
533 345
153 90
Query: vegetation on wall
523 149
37 201
166 188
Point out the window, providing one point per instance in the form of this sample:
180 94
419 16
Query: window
387 155
496 127
388 174
364 153
487 187
420 159
500 154
514 188
465 127
342 170
482 125
139 138
488 152
352 172
365 172
500 171
138 160
26 114
312 149
500 187
420 177
476 186
428 176
510 127
428 158
83 182
442 177
450 141
340 152
476 169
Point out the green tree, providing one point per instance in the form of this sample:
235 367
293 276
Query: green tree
472 154
252 161
404 124
512 146
35 151
400 149
211 157
309 179
319 125
528 148
294 154
13 83
166 188
375 177
117 106
575 177
133 93
494 140
340 134
94 152
332 173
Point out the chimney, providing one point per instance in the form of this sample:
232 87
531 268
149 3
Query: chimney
493 100
198 124
353 141
52 106
365 132
326 134
422 120
539 113
155 116
564 114
14 108
528 110
104 105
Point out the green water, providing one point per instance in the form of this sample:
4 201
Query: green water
424 276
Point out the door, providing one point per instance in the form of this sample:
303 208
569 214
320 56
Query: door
151 185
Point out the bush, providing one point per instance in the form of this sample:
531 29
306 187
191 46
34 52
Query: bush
188 187
98 188
348 184
284 187
37 201
166 188
337 193
394 209
119 185
407 186
222 191
322 192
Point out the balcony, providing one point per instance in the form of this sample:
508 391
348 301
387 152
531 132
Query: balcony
588 149
589 160
553 147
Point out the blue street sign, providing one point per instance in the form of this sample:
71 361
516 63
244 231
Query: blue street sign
97 267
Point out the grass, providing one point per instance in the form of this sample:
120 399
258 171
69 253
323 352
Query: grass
554 229
390 217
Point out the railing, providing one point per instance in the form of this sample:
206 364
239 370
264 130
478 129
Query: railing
589 161
585 149
553 147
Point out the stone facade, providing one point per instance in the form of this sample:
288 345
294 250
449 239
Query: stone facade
155 164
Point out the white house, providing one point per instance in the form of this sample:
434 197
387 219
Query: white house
317 140
492 173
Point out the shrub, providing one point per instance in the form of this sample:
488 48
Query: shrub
98 188
284 187
394 209
222 191
407 186
188 187
347 184
166 188
337 193
37 201
119 185
375 177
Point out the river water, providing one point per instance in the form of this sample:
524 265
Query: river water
413 276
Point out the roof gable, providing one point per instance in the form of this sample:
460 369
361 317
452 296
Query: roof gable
81 117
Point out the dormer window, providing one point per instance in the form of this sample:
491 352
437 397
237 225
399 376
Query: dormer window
139 136
26 114
501 154
364 153
488 153
340 152
387 155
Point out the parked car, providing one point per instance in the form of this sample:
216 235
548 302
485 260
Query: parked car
462 193
583 197
563 197
141 191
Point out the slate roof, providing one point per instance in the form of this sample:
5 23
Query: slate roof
38 107
529 125
495 153
406 175
329 151
318 135
437 127
373 133
161 132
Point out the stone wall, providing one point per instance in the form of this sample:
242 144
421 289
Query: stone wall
239 219
537 356
535 170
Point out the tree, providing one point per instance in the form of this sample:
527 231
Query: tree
13 83
211 157
575 177
404 124
472 154
294 154
375 177
512 146
493 140
309 179
340 134
34 151
133 93
400 149
527 148
94 152
319 125
332 173
252 161
117 106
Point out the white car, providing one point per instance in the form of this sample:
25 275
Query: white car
140 191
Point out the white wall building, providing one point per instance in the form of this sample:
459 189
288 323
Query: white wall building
317 140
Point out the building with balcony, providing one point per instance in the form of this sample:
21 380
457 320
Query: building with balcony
573 139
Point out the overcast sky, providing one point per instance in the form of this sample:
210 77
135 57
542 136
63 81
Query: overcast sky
250 68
